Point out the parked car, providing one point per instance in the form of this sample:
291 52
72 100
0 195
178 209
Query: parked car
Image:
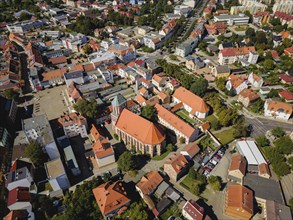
210 165
208 169
214 162
218 156
216 159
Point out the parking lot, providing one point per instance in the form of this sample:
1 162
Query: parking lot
52 102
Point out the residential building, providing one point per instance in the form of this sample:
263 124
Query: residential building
186 47
239 202
232 19
194 63
236 84
19 214
176 166
73 124
232 55
19 198
38 129
57 176
53 77
285 7
176 124
274 210
279 110
192 103
222 71
74 42
69 156
192 211
75 76
106 74
144 136
102 149
153 40
237 169
255 80
149 183
112 199
286 78
252 6
190 150
216 28
168 28
24 26
288 51
286 95
125 54
247 96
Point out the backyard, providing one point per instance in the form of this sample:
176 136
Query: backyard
184 115
225 137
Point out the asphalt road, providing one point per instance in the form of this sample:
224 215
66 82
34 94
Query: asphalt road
261 125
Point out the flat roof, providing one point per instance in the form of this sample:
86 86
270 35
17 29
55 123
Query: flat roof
251 152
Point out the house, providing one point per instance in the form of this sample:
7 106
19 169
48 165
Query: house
192 103
144 92
102 149
149 183
279 110
73 124
38 129
255 80
288 51
263 170
111 198
194 63
159 81
53 77
125 54
143 135
186 47
286 95
247 96
236 84
286 79
19 198
176 124
239 202
264 90
21 177
237 169
190 150
19 214
221 71
192 211
216 28
164 97
57 176
168 28
176 166
232 55
75 76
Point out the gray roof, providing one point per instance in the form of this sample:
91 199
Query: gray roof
35 122
17 175
261 186
161 189
172 194
223 69
118 100
73 75
163 204
277 211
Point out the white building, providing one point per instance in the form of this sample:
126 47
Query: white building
236 84
279 110
255 80
52 34
23 26
106 74
186 47
74 124
74 76
232 19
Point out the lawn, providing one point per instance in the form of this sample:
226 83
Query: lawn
187 182
184 115
162 156
225 137
210 118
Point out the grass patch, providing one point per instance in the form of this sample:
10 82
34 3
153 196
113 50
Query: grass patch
48 187
187 181
162 156
225 137
173 210
184 115
210 118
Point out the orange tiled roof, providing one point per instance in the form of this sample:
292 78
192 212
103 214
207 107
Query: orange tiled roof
58 60
174 121
238 163
140 99
111 197
70 119
236 80
195 102
276 106
250 94
240 197
177 161
140 128
150 182
157 78
54 74
192 149
263 169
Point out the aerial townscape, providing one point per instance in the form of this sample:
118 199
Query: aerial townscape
146 109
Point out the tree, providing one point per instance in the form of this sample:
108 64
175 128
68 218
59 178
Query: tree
24 16
126 162
87 49
116 136
35 152
11 94
215 124
192 174
199 87
195 189
273 93
215 182
250 32
287 42
257 106
150 112
186 80
261 37
137 210
284 145
268 64
221 83
240 130
170 147
278 132
262 141
87 108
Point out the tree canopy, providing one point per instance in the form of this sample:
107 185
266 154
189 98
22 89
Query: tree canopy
126 162
11 94
35 152
199 87
149 112
278 132
137 210
262 141
87 108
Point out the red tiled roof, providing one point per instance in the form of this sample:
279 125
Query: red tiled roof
288 96
19 194
150 182
192 149
195 211
177 161
286 78
238 163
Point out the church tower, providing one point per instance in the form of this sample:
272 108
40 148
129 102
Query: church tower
118 104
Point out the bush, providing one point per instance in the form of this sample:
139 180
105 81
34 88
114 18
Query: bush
278 132
132 173
192 174
116 136
170 147
262 141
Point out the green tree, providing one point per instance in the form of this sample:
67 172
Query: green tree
221 83
199 87
281 168
228 117
250 32
170 147
269 64
187 80
284 145
36 154
215 124
87 49
278 132
287 42
240 130
88 108
273 93
262 141
261 37
24 16
149 112
257 106
126 162
195 189
11 94
137 210
192 174
215 182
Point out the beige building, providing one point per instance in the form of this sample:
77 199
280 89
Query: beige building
176 166
237 168
247 96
